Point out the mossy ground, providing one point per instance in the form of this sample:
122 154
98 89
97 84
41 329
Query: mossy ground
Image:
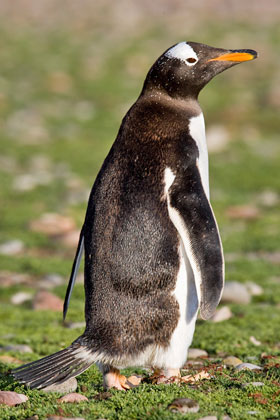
105 79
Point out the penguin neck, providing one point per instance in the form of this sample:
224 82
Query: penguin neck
186 94
188 103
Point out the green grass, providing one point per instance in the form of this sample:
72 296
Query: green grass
78 126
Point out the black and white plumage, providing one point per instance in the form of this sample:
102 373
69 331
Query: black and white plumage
153 254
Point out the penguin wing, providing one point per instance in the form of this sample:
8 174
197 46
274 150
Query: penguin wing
74 272
191 213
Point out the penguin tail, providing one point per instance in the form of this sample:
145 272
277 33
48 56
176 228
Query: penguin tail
56 368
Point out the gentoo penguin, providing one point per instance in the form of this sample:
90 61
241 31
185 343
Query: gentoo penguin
153 254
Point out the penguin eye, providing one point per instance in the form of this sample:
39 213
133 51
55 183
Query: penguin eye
191 60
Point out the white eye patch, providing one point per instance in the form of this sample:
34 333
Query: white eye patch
183 52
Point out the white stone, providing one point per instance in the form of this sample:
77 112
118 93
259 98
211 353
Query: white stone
256 384
254 341
217 138
12 247
268 198
184 405
64 388
22 348
195 353
249 366
235 292
20 297
50 281
208 418
222 314
25 182
254 289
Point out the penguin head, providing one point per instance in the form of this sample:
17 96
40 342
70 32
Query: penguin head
185 68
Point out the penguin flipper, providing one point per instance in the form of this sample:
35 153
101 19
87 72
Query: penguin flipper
74 272
56 368
191 213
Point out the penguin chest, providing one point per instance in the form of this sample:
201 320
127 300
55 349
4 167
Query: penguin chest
197 132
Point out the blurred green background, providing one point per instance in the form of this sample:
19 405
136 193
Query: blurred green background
68 73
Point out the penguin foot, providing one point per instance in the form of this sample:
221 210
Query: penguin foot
113 379
166 376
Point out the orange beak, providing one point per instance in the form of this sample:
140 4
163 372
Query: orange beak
236 56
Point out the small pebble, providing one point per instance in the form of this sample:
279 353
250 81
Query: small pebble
254 341
22 348
196 353
12 398
44 300
20 297
8 279
218 137
53 224
12 247
232 361
25 182
268 198
243 212
64 418
254 289
235 292
249 366
70 239
10 359
72 398
252 384
184 405
64 388
50 281
7 336
208 418
222 314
